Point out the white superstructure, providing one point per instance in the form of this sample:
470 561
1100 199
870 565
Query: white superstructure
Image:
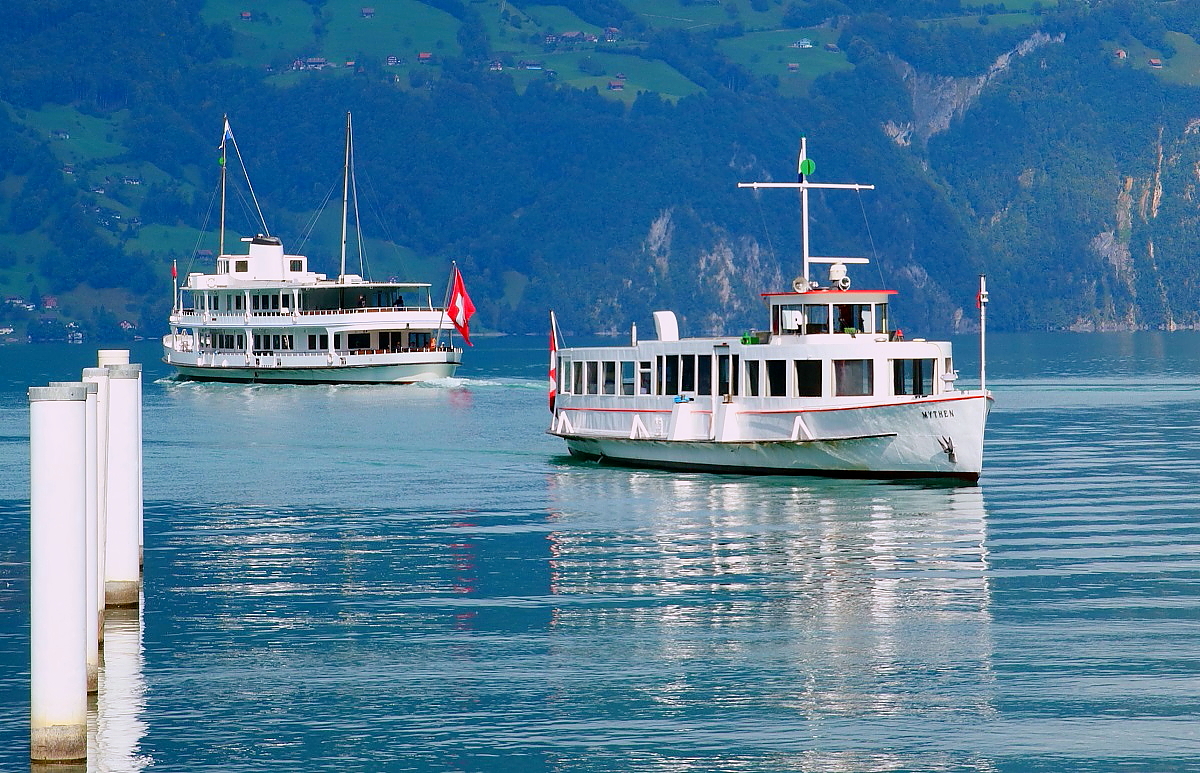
263 316
828 388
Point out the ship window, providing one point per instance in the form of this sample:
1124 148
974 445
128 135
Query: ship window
853 378
703 374
275 342
241 266
358 340
610 377
297 265
287 301
287 342
337 340
644 377
816 316
852 317
808 378
274 301
727 377
593 378
323 341
577 377
241 342
312 343
776 378
913 377
687 373
238 303
752 378
626 378
254 302
881 320
669 368
791 318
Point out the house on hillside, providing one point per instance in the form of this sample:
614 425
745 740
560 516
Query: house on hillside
425 57
1120 53
368 13
1156 63
246 16
616 86
611 34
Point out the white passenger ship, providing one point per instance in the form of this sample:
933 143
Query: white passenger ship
264 316
830 388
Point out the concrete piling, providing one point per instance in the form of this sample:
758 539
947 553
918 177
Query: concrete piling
58 598
123 539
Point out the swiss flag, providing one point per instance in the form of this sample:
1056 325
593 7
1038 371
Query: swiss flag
460 308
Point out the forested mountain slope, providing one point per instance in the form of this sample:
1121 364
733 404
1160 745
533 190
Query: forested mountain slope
584 156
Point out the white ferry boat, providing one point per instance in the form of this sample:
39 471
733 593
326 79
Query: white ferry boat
830 388
264 316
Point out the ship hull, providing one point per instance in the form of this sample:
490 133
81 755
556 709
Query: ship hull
935 438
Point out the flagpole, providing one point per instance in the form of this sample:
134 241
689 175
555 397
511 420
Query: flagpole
446 302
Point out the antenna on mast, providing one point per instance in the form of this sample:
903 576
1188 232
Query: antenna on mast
804 168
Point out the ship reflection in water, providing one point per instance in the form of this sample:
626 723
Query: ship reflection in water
764 605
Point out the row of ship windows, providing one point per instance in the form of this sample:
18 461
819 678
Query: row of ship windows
243 266
283 301
269 342
695 374
809 318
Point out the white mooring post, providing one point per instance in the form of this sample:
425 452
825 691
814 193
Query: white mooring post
123 575
99 377
57 573
91 534
106 357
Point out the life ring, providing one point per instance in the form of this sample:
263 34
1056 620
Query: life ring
212 282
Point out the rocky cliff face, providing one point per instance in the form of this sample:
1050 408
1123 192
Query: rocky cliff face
721 273
939 99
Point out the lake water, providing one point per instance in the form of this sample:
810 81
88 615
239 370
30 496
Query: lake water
417 578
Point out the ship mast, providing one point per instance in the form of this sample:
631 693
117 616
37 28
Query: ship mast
346 194
804 168
226 134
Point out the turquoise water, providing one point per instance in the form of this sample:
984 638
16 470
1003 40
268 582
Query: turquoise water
416 578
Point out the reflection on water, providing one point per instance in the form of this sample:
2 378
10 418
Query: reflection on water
118 723
783 605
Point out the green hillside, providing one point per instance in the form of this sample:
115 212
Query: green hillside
543 145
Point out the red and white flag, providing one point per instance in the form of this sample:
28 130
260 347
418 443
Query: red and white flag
553 360
460 307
